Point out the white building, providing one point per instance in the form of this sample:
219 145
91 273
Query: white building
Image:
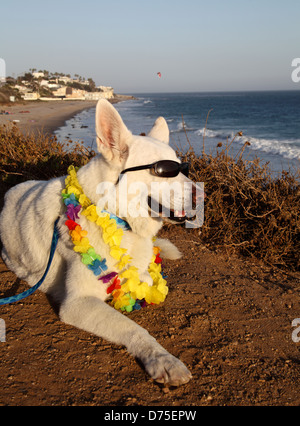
105 88
38 75
95 96
65 80
31 96
53 86
22 89
44 83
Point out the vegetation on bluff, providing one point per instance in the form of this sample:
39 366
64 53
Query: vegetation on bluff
248 211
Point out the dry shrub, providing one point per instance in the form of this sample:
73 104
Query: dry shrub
247 209
36 156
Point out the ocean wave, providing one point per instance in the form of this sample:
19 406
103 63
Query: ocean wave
221 134
182 127
148 101
285 148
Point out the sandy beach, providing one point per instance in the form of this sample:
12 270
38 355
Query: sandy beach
45 116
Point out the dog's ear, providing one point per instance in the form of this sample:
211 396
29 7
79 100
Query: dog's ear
160 130
112 134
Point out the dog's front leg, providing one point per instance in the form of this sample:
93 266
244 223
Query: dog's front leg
95 316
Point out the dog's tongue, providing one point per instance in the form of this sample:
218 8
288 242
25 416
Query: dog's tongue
179 213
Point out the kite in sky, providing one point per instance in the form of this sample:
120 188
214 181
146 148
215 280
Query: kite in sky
159 74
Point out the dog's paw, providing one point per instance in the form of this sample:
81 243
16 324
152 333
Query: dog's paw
165 368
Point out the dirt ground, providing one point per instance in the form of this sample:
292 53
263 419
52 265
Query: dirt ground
228 319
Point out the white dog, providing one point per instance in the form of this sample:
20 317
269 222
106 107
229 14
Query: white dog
26 227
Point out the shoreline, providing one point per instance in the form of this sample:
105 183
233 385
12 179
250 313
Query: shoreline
46 116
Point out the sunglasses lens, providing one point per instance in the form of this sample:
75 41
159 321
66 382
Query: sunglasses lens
170 168
166 168
185 169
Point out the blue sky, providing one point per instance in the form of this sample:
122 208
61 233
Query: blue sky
215 45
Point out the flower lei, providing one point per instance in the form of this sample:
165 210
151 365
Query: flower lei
127 291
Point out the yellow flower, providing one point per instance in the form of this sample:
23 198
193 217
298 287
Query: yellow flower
84 201
141 291
131 285
125 303
131 272
112 235
107 231
124 262
72 180
154 296
163 289
72 184
121 300
155 272
103 221
72 171
72 189
117 237
82 246
90 213
117 252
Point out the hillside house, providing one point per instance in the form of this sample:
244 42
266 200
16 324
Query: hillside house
69 93
34 96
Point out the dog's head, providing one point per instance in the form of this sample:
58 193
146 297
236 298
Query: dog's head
150 183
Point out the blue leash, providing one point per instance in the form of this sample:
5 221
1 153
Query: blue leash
27 293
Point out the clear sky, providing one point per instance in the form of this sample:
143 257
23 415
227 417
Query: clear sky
197 45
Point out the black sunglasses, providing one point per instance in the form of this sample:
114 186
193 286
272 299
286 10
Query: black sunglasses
164 168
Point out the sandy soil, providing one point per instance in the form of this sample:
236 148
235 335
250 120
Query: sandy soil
228 319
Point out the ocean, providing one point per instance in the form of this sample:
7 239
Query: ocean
270 121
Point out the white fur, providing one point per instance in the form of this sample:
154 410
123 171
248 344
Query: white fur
26 227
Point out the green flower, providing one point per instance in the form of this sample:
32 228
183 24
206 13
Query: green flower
90 256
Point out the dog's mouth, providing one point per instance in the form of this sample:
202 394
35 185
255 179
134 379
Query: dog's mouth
158 210
177 216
